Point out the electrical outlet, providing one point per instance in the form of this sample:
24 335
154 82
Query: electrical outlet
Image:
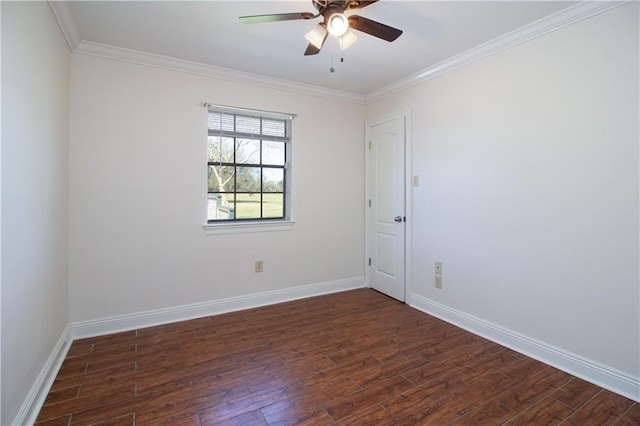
415 180
438 281
259 266
438 268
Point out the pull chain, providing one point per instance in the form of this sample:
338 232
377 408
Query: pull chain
333 51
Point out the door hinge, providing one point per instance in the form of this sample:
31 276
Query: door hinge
369 202
369 144
369 261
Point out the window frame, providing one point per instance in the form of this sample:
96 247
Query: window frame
262 224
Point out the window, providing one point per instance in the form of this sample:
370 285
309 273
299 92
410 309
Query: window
248 155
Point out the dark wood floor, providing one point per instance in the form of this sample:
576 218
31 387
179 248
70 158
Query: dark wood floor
355 358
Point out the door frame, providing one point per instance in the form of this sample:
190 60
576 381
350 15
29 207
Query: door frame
406 115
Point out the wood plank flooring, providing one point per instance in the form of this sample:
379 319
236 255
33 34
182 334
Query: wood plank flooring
351 358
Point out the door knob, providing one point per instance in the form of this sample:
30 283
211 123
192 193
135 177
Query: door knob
398 219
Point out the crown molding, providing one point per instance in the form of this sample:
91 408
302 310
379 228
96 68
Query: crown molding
563 18
166 62
67 24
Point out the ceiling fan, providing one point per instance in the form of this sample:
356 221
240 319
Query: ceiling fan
335 22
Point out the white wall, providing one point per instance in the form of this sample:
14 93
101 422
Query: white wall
137 159
35 99
528 165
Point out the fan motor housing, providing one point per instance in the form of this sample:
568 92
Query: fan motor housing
335 6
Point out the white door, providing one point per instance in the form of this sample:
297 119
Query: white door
386 213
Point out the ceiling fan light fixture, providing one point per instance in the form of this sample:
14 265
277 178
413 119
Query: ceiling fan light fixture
337 24
348 39
316 36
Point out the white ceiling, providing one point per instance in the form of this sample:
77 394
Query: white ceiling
210 33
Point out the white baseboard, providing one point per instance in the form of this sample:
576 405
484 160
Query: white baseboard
591 371
32 404
196 310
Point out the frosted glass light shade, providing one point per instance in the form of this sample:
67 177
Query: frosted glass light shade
348 39
316 36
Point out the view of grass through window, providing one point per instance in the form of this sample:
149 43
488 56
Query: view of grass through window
246 167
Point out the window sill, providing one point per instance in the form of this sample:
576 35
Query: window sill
247 227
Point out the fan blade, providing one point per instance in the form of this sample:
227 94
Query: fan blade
374 28
311 50
258 19
359 4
